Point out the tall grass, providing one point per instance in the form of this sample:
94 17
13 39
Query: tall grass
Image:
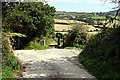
35 45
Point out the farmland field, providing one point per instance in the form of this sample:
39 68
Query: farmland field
69 21
99 17
69 26
62 26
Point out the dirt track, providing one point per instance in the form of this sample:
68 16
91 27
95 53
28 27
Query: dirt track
51 63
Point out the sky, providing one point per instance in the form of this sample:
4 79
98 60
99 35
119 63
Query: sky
82 5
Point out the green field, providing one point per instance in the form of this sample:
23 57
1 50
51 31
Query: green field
99 17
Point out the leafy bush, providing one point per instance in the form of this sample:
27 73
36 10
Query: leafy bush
76 38
101 54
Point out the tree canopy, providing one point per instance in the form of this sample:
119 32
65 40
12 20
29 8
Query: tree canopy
29 18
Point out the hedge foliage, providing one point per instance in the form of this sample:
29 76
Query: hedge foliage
101 55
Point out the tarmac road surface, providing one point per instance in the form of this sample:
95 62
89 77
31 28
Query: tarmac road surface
52 63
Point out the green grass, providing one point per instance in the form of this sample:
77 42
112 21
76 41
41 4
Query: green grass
69 13
35 45
98 17
10 66
7 72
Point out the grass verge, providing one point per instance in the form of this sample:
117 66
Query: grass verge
36 46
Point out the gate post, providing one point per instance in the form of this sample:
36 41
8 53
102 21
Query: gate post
59 36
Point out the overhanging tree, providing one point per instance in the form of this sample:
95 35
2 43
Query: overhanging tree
30 18
33 19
